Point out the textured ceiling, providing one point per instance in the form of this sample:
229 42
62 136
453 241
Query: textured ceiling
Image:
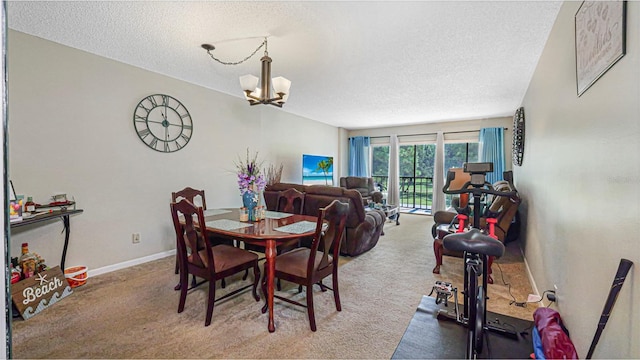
354 64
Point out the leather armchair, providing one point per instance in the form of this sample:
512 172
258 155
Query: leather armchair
502 208
364 185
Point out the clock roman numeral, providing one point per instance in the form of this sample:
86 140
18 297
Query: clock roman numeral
166 147
178 146
146 108
144 133
140 118
185 138
165 100
153 143
153 101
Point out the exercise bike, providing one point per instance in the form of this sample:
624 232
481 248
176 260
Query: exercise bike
477 247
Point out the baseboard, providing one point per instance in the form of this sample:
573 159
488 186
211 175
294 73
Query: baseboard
534 287
129 263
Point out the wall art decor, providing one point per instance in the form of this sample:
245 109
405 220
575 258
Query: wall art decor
518 137
600 39
317 170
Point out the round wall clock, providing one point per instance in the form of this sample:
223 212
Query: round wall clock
518 136
163 123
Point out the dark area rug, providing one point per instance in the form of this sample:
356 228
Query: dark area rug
427 337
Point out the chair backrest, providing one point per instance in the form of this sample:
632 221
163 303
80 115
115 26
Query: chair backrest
187 234
363 184
327 240
191 195
457 183
503 208
290 201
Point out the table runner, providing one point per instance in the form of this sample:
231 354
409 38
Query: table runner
211 212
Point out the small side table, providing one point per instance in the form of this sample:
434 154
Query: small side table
392 212
50 216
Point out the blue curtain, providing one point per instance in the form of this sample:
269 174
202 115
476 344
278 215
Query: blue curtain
491 149
359 156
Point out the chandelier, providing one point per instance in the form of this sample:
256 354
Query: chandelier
249 83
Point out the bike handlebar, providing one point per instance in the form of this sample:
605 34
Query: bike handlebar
468 187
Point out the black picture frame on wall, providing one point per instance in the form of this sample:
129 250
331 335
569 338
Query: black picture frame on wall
600 39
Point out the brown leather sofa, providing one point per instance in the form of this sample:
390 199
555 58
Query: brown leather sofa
365 187
363 227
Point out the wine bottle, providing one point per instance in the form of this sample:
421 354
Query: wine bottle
28 262
29 206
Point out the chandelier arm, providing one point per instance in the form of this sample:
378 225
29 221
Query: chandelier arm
278 98
264 43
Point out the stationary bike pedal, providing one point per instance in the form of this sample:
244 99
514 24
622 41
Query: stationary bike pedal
443 292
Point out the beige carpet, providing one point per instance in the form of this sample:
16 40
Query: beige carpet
132 313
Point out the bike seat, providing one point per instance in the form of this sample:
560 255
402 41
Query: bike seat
473 241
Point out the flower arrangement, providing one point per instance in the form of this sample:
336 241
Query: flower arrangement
249 176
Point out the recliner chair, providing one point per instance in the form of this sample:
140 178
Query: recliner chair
364 185
502 208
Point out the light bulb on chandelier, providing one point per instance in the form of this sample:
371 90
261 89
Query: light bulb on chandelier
259 94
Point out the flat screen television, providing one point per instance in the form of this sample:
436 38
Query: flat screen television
317 170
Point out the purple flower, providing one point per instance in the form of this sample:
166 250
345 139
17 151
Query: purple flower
249 176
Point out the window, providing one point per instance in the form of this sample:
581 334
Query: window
416 175
380 166
416 166
455 155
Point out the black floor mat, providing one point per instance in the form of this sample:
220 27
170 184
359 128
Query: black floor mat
427 337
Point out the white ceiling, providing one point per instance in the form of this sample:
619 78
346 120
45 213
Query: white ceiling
353 64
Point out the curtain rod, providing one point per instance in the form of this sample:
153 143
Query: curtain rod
448 132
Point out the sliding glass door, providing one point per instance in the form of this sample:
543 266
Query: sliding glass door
455 155
416 166
380 166
416 175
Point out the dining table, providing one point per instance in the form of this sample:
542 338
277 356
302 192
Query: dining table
275 229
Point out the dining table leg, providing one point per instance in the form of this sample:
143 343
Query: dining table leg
270 256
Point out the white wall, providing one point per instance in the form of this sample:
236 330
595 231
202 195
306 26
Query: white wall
4 296
580 181
71 130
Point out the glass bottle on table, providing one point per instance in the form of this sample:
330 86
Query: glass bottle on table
28 262
30 206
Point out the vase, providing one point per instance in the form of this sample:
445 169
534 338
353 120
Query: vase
250 201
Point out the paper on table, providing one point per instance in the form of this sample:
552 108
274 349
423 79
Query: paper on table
226 224
277 215
211 212
297 228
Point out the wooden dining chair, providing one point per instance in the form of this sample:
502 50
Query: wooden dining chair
197 197
289 201
211 263
306 267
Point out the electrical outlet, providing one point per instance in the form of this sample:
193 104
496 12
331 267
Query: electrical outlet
135 238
